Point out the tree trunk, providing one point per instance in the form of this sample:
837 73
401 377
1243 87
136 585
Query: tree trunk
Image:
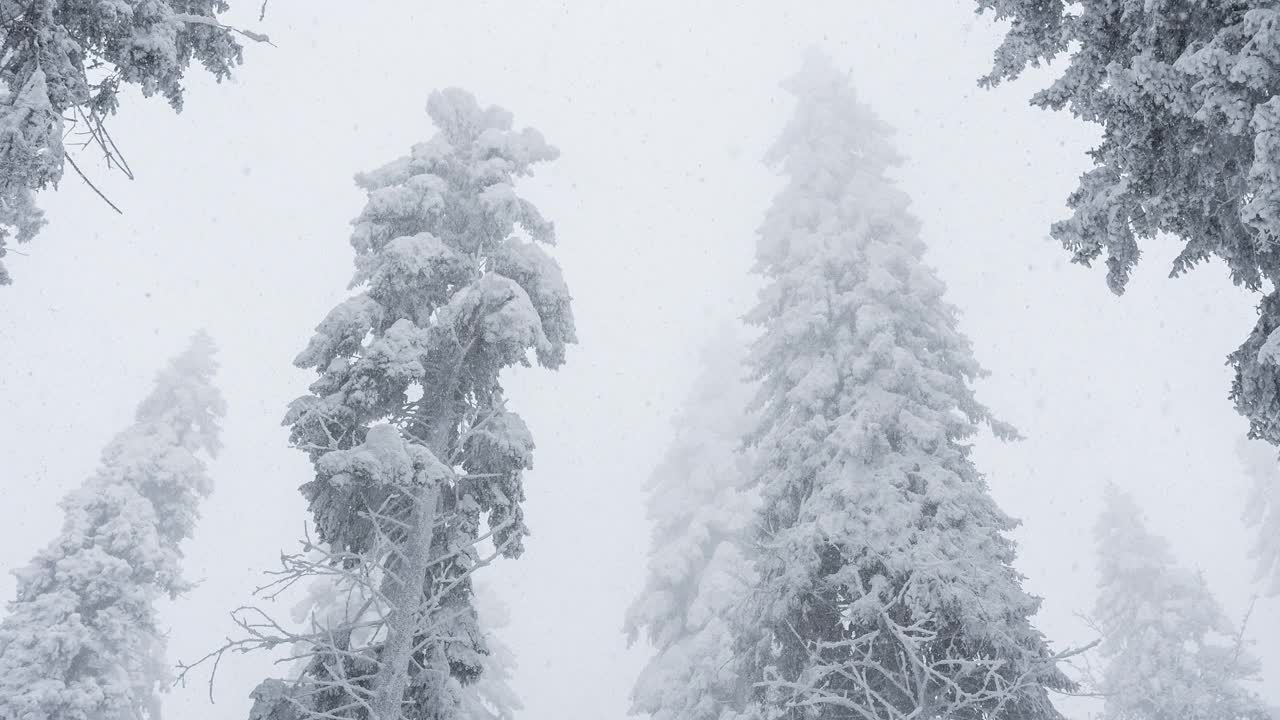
405 597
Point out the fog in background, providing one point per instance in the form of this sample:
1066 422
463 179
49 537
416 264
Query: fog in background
238 223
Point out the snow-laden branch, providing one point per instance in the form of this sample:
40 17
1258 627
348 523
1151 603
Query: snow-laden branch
345 632
213 22
906 667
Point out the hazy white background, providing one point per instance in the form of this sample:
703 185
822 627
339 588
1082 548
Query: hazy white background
238 223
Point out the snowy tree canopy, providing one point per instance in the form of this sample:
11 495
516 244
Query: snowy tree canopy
413 445
701 509
63 66
1168 647
1187 97
80 642
886 583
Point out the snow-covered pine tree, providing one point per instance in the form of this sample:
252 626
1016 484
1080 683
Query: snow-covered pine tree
80 642
886 589
66 62
700 508
1262 465
413 445
1168 647
1188 97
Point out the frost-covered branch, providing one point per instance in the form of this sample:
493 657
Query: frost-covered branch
907 666
213 22
1188 97
348 601
63 66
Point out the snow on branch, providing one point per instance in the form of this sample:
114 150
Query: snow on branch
213 22
905 667
346 625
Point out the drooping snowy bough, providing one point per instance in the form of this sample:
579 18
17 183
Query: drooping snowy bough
1169 650
62 68
1188 97
885 583
81 641
334 597
701 507
418 461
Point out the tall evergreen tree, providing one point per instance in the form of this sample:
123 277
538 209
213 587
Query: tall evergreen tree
886 588
1169 649
63 66
81 641
413 445
701 508
1188 96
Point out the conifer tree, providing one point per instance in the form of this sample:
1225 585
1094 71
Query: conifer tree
418 461
701 510
1168 647
81 641
64 65
1188 98
886 588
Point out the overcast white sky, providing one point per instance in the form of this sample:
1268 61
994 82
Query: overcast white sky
238 223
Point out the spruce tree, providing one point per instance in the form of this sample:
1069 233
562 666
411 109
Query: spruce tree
1187 95
700 508
886 588
1169 650
81 641
64 65
418 461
